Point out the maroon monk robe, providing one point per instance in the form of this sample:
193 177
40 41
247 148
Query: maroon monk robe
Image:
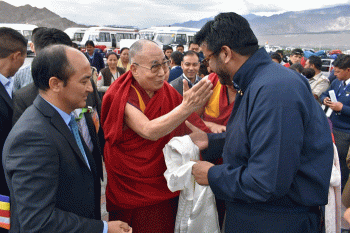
135 166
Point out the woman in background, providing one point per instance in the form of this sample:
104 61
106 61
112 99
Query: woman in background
109 74
124 59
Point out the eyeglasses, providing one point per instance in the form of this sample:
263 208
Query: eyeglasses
206 60
155 68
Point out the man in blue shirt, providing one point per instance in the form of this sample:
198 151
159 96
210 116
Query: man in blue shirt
277 150
340 116
50 171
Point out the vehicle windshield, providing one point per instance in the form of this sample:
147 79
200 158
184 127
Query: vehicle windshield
170 38
27 34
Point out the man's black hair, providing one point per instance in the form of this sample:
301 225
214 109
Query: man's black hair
44 37
316 61
11 41
277 57
191 53
342 62
177 57
52 61
228 29
180 45
308 73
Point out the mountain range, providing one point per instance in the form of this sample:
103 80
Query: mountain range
325 20
331 19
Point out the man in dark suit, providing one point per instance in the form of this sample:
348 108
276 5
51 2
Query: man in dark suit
190 65
175 64
13 50
52 176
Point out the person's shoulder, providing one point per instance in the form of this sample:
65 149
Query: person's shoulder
177 80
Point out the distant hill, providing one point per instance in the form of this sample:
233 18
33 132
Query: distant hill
33 15
319 20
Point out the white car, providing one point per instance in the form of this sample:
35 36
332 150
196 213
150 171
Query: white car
327 66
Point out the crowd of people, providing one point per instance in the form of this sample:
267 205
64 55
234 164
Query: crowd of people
273 136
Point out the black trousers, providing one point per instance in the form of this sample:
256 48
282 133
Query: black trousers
342 142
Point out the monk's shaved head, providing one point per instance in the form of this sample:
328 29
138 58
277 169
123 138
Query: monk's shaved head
136 49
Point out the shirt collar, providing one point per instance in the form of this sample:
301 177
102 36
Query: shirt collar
5 81
188 80
347 81
66 117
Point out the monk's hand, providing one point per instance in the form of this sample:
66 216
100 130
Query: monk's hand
200 172
196 97
198 136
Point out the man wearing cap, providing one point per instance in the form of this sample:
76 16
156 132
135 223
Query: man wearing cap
295 57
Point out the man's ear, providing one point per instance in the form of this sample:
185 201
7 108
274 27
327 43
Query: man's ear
55 84
227 53
16 55
134 70
32 47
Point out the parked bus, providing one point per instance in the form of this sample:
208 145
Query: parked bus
76 34
25 29
108 36
174 36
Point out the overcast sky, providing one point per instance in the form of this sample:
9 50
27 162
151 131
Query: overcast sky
147 13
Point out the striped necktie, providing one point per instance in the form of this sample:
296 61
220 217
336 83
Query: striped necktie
84 130
74 127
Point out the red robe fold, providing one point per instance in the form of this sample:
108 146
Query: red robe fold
218 109
135 166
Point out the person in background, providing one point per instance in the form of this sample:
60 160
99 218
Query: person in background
308 73
25 96
124 62
94 57
180 48
297 67
141 113
175 65
42 37
194 47
203 70
295 57
109 74
10 61
190 66
167 49
276 58
281 53
340 116
277 149
319 82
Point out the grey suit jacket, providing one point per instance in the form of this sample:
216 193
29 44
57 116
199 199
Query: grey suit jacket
178 84
52 189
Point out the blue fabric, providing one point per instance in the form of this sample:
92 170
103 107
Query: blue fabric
278 150
175 73
7 83
105 227
340 120
75 130
96 60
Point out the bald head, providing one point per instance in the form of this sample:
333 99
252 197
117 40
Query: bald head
140 49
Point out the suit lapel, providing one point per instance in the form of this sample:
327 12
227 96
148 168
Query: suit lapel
58 122
5 96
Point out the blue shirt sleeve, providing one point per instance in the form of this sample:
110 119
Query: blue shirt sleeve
105 227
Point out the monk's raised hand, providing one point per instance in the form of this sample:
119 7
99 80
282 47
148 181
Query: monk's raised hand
198 95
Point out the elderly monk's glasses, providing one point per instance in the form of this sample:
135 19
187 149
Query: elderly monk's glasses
155 68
